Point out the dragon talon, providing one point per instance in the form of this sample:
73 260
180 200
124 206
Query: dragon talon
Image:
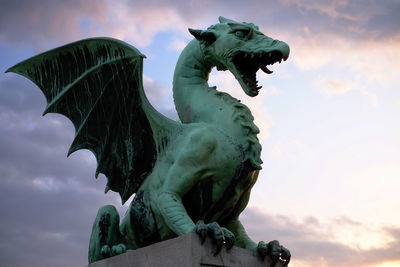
218 247
285 255
201 229
274 251
262 249
118 249
213 231
229 238
105 251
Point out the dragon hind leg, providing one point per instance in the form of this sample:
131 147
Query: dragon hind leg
106 239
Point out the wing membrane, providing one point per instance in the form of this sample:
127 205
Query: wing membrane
97 84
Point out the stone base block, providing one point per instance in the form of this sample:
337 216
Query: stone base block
184 251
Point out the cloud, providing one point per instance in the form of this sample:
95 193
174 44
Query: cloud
51 23
344 64
50 226
46 22
329 8
384 21
49 201
139 23
290 148
332 86
372 97
277 150
313 242
272 91
178 45
353 19
376 59
160 97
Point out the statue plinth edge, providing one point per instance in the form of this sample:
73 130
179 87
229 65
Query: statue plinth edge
184 251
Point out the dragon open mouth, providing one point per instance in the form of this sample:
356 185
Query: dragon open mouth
248 63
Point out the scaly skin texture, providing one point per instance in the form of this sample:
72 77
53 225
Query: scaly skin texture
207 172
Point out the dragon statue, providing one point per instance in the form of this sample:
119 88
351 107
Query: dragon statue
189 176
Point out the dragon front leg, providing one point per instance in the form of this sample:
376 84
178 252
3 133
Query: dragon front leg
174 213
190 166
190 159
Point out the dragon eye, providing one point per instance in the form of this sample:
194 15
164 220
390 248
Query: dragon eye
241 34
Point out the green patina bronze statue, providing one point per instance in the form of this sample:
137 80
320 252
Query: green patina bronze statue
188 176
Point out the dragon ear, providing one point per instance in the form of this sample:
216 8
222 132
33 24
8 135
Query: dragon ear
204 36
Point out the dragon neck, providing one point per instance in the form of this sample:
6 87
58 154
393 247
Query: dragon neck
195 102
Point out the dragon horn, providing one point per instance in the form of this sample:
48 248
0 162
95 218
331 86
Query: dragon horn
207 36
225 20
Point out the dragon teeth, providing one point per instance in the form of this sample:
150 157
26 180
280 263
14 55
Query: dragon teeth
265 69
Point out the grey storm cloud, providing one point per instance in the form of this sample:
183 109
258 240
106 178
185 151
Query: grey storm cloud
386 22
45 228
40 22
46 23
29 139
48 201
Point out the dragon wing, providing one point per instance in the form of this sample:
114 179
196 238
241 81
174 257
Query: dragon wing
97 84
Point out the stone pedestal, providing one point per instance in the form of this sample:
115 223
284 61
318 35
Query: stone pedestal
184 251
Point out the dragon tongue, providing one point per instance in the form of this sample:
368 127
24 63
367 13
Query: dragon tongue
266 70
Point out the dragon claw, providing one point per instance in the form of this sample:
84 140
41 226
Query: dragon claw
275 251
201 230
229 238
118 249
105 251
262 249
219 235
285 255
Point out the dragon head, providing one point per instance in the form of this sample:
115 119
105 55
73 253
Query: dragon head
242 49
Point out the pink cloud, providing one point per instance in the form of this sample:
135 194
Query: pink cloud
316 243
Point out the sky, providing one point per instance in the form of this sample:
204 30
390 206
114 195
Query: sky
329 120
